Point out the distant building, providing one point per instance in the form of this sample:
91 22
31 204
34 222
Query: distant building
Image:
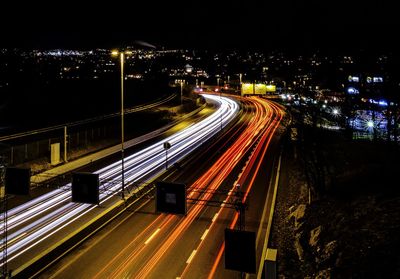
188 69
366 84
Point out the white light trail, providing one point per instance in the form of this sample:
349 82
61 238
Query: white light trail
36 220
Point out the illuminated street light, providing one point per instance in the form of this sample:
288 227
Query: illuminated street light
121 55
370 124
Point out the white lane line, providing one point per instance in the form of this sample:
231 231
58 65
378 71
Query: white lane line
151 237
215 217
204 234
191 257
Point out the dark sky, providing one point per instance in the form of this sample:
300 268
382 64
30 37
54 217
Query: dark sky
202 24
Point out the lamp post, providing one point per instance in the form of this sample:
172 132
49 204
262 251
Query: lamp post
181 90
121 55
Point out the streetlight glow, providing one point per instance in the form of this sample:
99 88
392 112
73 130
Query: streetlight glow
114 52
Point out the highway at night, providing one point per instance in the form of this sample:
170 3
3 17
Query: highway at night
52 217
211 140
142 244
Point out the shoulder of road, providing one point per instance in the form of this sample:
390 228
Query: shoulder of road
80 162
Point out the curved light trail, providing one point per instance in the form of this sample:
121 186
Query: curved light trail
36 220
133 261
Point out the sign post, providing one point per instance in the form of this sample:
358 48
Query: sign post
167 146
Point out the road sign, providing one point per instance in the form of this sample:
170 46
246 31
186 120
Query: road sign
17 181
171 198
85 187
240 250
167 145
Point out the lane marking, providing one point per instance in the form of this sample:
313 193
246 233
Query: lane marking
215 217
191 257
204 234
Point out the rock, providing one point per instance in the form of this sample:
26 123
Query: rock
298 247
328 251
330 248
298 215
314 236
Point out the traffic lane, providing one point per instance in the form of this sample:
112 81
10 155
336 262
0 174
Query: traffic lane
149 269
192 235
117 240
181 250
131 228
76 266
15 225
72 212
185 250
208 250
257 200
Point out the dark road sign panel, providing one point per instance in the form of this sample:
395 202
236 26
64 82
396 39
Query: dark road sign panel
240 250
85 188
171 198
17 181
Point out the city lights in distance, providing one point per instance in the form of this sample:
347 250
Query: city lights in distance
353 79
352 91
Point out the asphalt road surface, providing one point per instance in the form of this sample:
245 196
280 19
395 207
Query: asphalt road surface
143 244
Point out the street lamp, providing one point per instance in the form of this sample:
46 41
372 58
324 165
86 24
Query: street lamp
121 55
181 90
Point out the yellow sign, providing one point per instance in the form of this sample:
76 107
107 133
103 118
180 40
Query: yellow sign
247 88
261 89
255 89
271 88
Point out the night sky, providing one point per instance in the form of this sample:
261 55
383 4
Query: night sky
202 24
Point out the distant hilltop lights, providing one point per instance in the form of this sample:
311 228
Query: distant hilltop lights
352 91
368 79
62 52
